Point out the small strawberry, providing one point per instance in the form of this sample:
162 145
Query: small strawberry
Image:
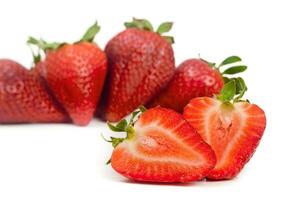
24 98
75 74
160 146
195 78
141 62
233 128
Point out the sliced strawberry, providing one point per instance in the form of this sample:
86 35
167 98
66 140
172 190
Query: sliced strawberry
161 147
233 130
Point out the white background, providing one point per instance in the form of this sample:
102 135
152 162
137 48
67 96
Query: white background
68 162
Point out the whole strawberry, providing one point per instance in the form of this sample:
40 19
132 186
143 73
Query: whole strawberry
141 62
195 78
75 74
231 126
24 98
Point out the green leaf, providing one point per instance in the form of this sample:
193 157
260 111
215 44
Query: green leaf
140 24
146 24
116 141
142 108
228 91
114 128
229 60
226 79
91 33
43 45
122 124
134 114
169 39
164 27
241 88
235 69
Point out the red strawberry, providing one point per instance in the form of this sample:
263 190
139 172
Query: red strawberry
75 74
194 78
24 98
141 62
232 129
160 147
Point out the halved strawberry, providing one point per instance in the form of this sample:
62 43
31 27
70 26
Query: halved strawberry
160 147
232 128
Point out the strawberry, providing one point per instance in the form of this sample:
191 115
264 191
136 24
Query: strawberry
24 98
141 62
195 78
160 146
75 74
233 128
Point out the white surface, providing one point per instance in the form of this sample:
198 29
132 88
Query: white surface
67 162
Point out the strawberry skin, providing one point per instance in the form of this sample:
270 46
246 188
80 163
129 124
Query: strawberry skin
163 148
140 64
75 74
24 98
232 130
193 78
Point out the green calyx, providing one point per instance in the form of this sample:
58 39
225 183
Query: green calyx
43 46
124 126
234 87
231 64
91 33
144 24
233 90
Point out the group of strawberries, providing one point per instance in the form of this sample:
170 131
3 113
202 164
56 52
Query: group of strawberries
197 126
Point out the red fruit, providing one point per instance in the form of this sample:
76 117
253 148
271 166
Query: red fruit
161 147
24 98
233 130
75 74
141 62
194 78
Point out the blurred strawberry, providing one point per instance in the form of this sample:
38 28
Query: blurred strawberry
24 98
195 78
141 62
75 73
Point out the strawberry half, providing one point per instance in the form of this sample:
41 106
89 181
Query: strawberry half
160 147
195 78
75 74
24 97
233 128
141 62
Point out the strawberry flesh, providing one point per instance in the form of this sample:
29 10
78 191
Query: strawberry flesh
232 130
164 148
